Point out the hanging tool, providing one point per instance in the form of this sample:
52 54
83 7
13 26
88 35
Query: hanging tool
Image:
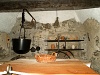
88 36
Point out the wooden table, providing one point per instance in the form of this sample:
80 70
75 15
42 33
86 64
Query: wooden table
68 67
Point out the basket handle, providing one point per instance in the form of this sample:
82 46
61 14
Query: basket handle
37 55
54 54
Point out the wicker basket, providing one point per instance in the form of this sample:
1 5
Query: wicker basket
45 58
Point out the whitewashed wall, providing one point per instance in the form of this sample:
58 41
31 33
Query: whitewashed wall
88 13
50 16
8 19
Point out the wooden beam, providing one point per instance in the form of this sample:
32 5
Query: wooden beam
47 5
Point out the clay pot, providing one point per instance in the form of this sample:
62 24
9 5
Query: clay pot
62 38
52 46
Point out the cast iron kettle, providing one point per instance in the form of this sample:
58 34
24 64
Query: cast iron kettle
21 45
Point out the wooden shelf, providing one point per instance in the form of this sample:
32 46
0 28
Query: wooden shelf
63 40
62 49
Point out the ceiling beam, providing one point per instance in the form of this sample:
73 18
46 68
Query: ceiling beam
46 5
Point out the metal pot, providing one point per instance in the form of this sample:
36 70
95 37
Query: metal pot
21 46
37 48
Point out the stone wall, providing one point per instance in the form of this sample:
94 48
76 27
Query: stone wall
88 31
92 27
71 29
95 61
4 45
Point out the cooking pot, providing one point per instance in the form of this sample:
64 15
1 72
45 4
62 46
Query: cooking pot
37 48
21 45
